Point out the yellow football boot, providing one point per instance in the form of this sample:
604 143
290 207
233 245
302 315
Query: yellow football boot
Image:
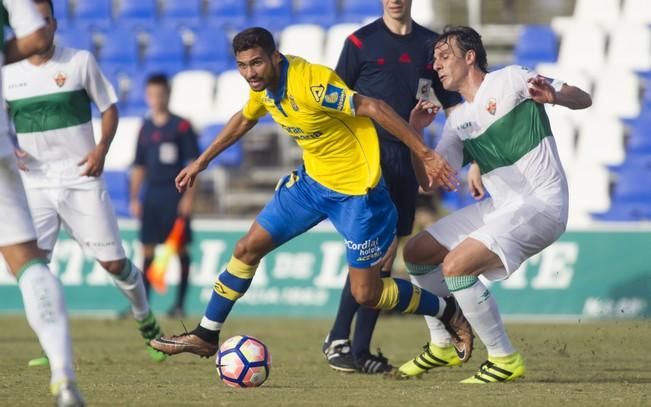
499 369
432 356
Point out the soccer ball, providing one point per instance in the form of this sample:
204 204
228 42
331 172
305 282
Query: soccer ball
243 361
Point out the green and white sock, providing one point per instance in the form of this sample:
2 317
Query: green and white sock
480 309
130 282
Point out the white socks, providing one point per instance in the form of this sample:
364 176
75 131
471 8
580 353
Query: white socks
131 283
434 282
210 324
480 309
46 313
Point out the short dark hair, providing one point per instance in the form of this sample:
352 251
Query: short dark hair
158 78
254 37
467 39
49 3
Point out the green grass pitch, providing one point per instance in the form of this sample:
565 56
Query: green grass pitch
570 364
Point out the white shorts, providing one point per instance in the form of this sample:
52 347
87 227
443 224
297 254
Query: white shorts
513 232
86 214
16 224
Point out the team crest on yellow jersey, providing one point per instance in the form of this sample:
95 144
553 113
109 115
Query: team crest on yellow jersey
317 92
491 107
60 78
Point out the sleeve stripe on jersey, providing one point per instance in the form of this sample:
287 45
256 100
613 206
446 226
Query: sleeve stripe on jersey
356 41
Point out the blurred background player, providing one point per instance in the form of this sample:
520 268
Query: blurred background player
340 180
41 291
49 97
166 143
388 59
511 141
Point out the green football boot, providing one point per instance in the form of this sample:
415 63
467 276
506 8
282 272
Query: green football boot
149 329
39 361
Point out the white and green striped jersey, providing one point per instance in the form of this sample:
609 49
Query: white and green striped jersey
24 19
509 136
50 106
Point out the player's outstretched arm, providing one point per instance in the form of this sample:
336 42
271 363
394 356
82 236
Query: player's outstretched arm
569 96
437 168
235 128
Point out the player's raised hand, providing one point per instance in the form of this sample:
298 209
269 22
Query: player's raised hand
423 114
541 90
439 171
94 162
185 178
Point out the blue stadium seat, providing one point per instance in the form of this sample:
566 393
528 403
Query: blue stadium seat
74 38
640 125
165 52
185 13
639 143
211 50
62 13
140 14
135 100
93 14
117 184
631 211
232 157
114 78
273 15
536 44
633 185
634 162
631 196
357 10
640 162
119 49
321 12
228 14
646 98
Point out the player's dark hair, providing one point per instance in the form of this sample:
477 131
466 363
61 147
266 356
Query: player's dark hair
467 39
254 37
158 79
49 3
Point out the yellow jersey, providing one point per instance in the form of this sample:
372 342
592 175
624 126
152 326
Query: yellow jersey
340 150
